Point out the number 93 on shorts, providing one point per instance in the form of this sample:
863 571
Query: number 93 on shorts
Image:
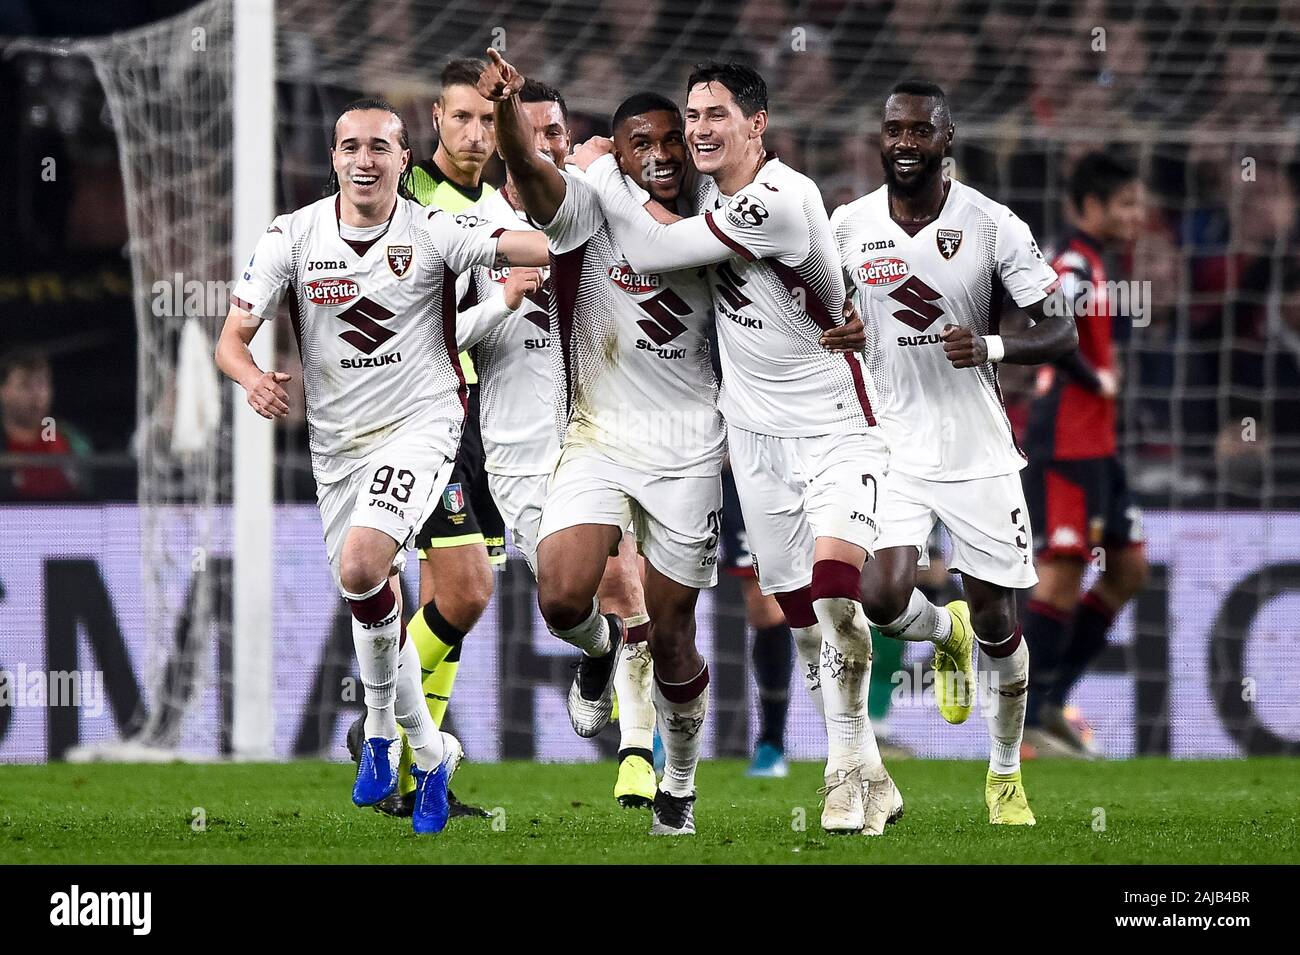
393 490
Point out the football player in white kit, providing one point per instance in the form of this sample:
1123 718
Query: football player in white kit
511 347
642 440
641 445
806 454
372 281
931 260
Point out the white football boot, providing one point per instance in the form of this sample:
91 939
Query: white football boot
884 804
842 810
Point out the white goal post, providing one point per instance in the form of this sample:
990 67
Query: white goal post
253 193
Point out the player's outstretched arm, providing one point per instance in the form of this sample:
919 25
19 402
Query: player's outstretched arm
265 396
538 183
516 247
652 246
1052 335
478 321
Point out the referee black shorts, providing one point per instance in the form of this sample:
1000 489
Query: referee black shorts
466 513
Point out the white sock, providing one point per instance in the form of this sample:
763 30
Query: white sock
591 636
921 621
376 648
1006 680
681 728
845 673
634 686
808 643
413 712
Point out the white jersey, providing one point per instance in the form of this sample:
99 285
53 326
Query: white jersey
513 358
376 330
776 284
630 350
942 423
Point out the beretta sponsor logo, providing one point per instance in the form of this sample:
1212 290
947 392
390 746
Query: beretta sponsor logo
882 271
331 291
633 282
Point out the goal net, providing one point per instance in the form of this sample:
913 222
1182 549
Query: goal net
167 87
1201 102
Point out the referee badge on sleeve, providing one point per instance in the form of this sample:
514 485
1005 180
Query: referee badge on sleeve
949 241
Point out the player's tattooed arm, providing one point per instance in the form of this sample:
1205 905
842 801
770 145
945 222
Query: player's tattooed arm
265 396
1052 335
517 247
538 183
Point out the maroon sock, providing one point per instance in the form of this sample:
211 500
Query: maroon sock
835 578
684 692
1005 648
797 607
376 608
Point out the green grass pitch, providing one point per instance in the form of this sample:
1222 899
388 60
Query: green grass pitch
1139 811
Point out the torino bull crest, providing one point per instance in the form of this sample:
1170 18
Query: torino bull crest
399 259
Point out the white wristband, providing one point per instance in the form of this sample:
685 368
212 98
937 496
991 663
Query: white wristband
995 347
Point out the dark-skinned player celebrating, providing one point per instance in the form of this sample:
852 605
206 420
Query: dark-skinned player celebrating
931 261
642 440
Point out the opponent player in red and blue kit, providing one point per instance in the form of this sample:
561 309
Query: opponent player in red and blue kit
1079 501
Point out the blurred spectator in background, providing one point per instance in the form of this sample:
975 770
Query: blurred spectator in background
1081 509
1155 366
1245 93
26 406
1126 74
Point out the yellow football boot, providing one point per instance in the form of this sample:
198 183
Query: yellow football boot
954 671
1004 794
636 785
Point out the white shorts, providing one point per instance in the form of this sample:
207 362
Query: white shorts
394 489
795 490
986 519
676 519
519 498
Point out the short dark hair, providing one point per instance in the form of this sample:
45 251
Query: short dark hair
403 141
23 359
463 71
744 82
535 91
644 102
925 89
1098 174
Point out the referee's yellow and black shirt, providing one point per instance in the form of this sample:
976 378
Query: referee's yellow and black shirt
432 188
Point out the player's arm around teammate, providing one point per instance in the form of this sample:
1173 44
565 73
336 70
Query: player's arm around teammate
535 143
575 559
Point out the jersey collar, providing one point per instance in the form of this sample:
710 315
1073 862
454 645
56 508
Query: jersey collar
361 247
952 186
